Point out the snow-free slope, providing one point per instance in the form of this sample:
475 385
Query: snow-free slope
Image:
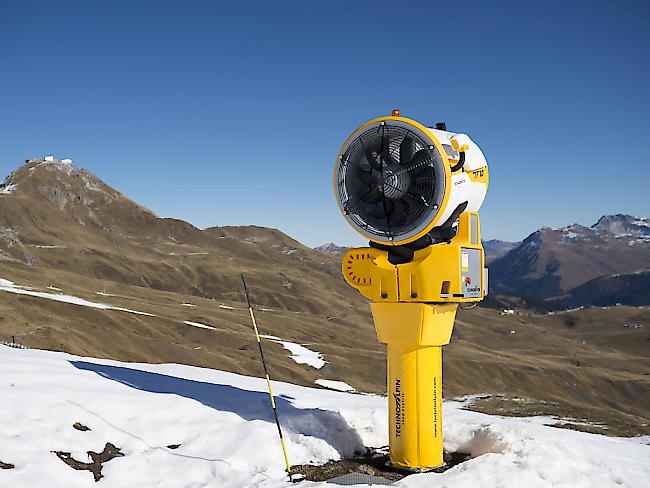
228 439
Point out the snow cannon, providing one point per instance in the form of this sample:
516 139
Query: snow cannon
414 192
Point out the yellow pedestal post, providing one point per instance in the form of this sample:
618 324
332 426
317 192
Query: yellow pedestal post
414 333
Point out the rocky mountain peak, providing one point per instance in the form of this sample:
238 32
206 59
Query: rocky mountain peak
74 192
624 225
39 173
331 248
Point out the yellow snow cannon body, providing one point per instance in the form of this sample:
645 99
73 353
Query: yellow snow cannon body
414 192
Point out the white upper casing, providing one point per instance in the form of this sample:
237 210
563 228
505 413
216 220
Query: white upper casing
463 189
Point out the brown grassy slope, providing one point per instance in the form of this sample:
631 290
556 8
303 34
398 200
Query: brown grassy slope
585 361
104 235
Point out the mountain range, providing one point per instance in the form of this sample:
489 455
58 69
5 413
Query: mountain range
603 264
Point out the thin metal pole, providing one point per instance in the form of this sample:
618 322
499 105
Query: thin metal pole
268 380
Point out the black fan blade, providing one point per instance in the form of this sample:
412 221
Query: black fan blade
365 176
372 160
359 196
419 159
372 150
406 150
416 204
387 156
374 196
376 211
390 209
402 212
385 150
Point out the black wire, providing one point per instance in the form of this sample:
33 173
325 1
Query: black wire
383 178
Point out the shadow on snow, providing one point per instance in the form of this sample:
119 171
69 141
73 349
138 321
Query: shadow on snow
249 405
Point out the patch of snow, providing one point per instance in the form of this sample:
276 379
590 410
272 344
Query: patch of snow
334 385
226 307
332 248
570 310
299 353
470 399
265 336
198 324
188 305
56 297
7 190
228 438
40 246
639 240
128 310
50 287
582 422
532 244
10 287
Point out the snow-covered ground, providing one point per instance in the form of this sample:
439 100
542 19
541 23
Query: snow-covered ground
228 438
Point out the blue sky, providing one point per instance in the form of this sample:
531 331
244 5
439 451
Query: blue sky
231 113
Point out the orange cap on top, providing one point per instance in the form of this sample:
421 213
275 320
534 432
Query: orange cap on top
395 112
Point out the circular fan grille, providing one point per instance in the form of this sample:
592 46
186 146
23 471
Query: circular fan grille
390 181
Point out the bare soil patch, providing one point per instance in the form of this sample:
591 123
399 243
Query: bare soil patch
98 458
374 462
